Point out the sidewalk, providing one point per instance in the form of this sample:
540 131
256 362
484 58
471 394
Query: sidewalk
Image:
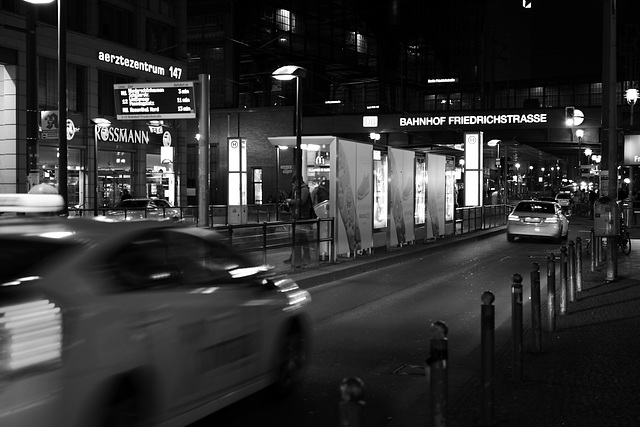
587 373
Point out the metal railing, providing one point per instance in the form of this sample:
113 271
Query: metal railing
269 238
473 218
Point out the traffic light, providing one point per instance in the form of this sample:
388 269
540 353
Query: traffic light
569 112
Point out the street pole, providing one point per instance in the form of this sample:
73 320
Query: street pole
203 152
298 160
62 105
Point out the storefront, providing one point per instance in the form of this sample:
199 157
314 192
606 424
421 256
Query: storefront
132 156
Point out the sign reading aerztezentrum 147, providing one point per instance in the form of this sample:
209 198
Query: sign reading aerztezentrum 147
145 101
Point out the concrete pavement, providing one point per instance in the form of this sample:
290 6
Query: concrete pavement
587 373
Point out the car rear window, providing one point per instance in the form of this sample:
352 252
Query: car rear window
535 207
19 257
563 196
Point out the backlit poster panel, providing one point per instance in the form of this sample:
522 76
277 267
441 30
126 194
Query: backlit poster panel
354 196
380 189
435 196
473 168
401 203
364 194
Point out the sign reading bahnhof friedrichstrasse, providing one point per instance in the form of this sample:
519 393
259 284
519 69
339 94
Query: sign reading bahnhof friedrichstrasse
146 101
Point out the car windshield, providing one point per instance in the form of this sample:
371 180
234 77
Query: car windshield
535 207
563 196
20 257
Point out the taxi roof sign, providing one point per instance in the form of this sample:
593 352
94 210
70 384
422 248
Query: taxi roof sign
31 203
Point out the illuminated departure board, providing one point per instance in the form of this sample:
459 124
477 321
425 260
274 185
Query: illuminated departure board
145 101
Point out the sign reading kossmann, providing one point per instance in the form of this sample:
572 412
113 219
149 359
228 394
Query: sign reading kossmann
476 119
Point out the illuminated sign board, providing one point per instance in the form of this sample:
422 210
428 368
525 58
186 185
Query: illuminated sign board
370 121
134 64
475 119
144 101
632 150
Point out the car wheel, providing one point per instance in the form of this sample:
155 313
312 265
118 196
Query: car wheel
293 360
510 237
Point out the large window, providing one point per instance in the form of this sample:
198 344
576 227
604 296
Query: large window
106 104
160 38
48 85
116 24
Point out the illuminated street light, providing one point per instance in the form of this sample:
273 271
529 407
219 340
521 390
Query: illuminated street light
290 72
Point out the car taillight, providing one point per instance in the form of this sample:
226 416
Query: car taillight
552 220
30 335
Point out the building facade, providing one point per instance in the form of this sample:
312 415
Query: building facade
107 43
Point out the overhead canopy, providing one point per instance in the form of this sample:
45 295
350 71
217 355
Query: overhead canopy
290 141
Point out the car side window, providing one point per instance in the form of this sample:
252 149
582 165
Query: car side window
204 263
145 263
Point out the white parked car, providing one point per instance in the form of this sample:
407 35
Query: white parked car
537 218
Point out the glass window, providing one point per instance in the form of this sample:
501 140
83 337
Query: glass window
106 104
160 38
48 85
116 24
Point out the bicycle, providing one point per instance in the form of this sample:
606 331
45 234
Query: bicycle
624 240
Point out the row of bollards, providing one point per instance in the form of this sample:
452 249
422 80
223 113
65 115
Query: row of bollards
436 364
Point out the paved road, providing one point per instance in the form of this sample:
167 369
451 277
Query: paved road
376 325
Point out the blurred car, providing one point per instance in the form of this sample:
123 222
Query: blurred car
537 218
140 208
565 200
139 323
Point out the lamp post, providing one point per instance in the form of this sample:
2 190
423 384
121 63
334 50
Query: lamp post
632 97
290 72
62 100
98 124
579 134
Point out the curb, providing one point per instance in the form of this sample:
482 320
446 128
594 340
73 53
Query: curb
327 273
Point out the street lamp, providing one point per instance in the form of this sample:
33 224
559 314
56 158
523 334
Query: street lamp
632 97
62 100
99 123
290 72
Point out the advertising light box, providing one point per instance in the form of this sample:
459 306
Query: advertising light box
146 101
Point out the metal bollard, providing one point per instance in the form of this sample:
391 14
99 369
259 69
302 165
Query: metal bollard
436 366
563 280
536 315
551 292
351 403
578 265
516 326
571 272
488 364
